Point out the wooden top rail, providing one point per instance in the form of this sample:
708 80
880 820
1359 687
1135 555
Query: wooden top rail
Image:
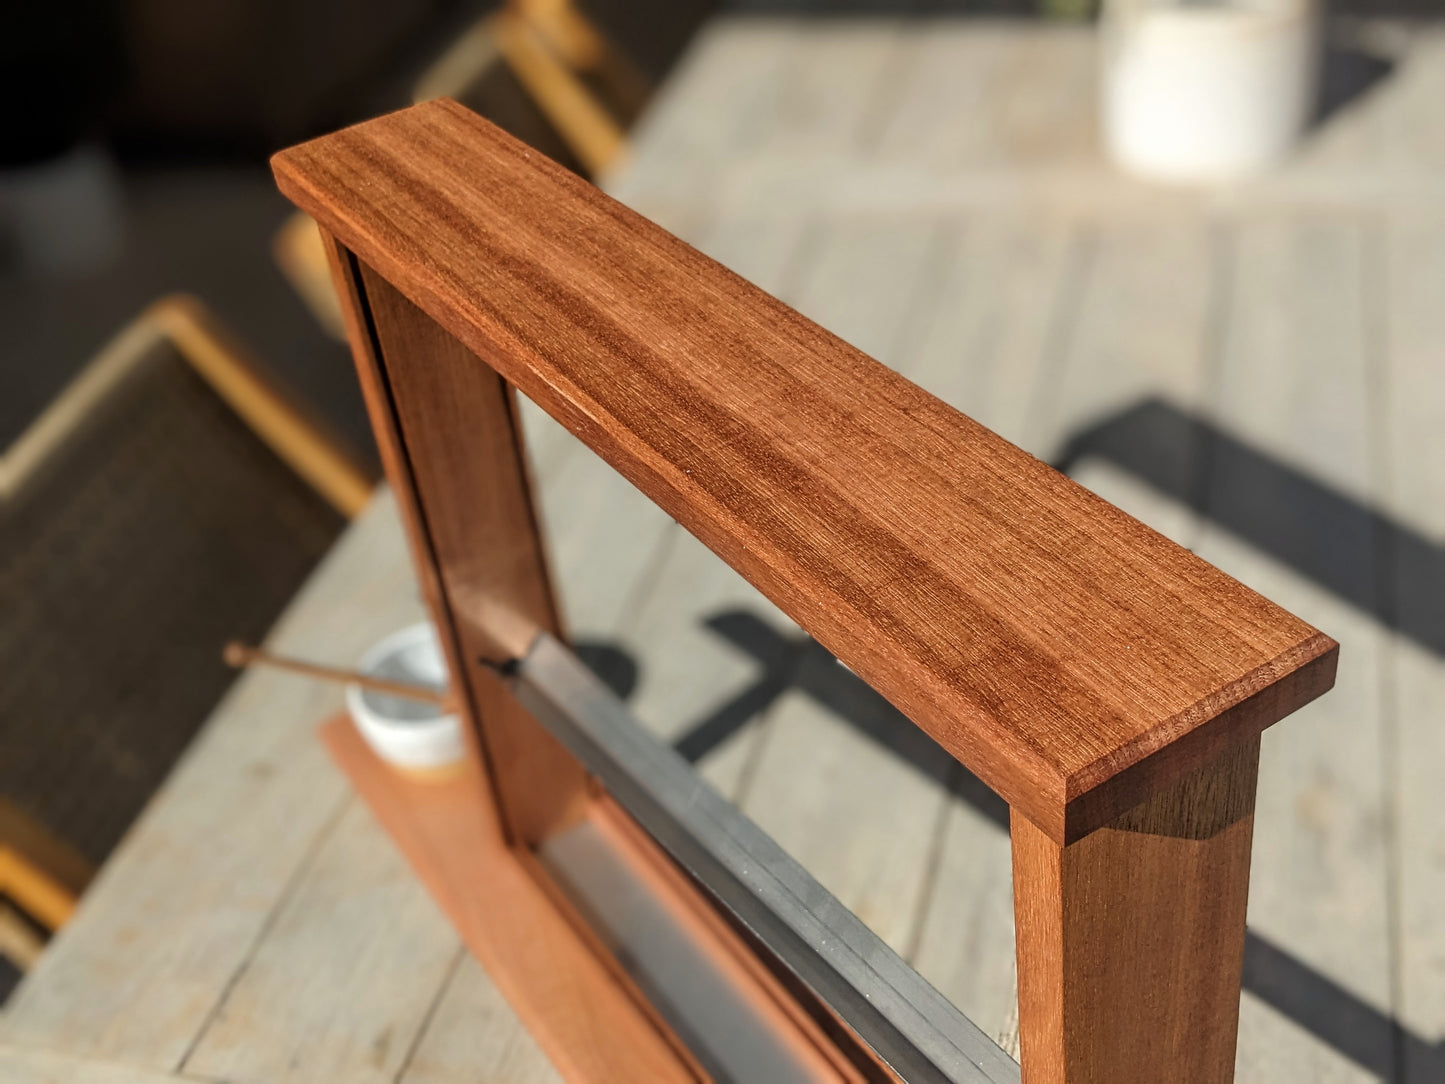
1072 658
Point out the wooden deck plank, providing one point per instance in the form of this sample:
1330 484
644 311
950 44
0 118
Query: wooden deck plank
1045 86
943 111
474 1035
340 984
965 944
1414 428
698 687
1295 381
549 446
1049 93
986 112
1415 131
861 818
991 93
22 1066
173 915
1318 885
1124 332
1419 820
709 112
984 343
832 87
604 536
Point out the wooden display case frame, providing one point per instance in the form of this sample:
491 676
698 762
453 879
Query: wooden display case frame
1107 683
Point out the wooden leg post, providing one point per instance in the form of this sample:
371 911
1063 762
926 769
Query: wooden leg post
1131 940
450 439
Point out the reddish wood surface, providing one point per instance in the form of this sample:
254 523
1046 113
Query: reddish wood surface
447 426
1072 658
460 433
1131 941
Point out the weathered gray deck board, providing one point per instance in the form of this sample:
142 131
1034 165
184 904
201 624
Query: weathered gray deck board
1126 329
995 281
698 688
23 1066
473 1035
1413 407
1293 381
1414 137
1318 884
605 539
830 95
1036 91
338 987
965 939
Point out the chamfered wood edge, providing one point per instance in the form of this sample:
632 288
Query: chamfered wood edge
1279 689
1065 807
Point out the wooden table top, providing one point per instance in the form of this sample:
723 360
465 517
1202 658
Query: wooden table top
932 194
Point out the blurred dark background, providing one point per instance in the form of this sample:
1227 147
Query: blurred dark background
145 127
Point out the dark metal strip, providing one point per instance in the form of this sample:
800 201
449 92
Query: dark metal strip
909 1024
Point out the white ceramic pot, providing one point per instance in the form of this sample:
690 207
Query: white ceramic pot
1210 89
412 735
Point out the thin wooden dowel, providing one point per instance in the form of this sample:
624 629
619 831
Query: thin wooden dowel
240 655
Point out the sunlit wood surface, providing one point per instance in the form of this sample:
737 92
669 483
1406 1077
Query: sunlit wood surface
933 193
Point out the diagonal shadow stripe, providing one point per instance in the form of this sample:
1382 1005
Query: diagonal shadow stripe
1369 1038
799 662
1366 558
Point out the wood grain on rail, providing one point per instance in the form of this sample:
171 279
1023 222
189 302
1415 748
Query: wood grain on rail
1071 657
